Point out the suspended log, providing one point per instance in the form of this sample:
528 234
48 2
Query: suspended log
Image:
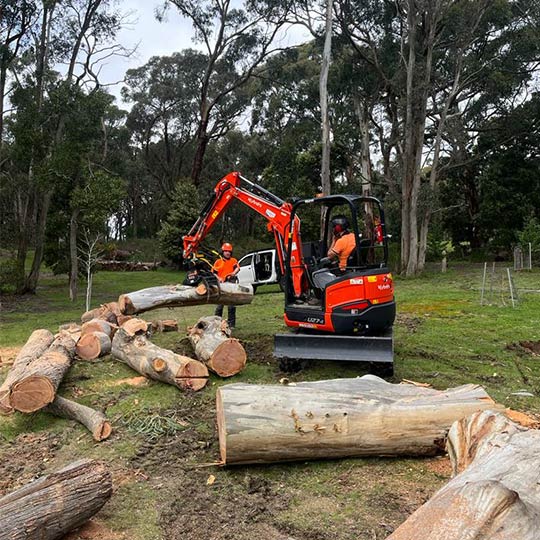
98 325
108 312
496 497
213 345
48 508
156 363
184 295
37 383
366 416
93 420
37 344
166 325
92 346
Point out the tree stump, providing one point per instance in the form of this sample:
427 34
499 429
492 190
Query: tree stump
184 295
213 345
95 421
366 416
156 363
497 494
50 507
37 344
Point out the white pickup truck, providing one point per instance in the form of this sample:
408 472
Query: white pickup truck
259 268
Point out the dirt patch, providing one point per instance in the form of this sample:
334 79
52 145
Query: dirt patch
441 466
130 381
94 530
529 347
25 458
410 322
8 354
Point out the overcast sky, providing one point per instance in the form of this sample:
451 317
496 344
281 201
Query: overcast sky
157 39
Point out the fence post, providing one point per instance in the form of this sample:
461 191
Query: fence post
511 287
483 285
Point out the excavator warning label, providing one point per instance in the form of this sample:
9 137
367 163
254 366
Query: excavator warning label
357 281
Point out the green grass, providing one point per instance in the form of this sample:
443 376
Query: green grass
443 336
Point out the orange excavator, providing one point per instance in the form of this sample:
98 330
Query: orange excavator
337 311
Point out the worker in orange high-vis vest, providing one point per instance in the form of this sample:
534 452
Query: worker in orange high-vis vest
226 269
344 242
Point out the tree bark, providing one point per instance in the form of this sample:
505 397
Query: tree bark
213 345
36 384
496 497
93 420
157 363
166 325
93 345
323 99
338 418
184 295
37 344
48 508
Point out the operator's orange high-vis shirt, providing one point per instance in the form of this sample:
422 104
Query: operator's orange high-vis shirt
224 267
343 247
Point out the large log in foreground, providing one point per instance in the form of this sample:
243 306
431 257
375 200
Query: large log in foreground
48 508
184 295
213 345
156 363
37 344
36 384
94 421
496 497
366 416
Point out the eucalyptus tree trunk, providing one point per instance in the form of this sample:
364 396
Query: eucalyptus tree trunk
74 261
323 97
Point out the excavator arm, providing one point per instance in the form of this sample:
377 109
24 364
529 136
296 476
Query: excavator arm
272 208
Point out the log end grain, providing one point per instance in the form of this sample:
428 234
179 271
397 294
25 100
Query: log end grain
135 327
228 359
102 431
159 365
92 346
31 394
192 375
125 305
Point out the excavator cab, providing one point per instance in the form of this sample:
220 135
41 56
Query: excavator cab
347 307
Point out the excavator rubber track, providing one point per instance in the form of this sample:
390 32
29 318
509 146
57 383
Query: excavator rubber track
294 347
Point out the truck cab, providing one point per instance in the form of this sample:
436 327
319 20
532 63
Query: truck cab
259 268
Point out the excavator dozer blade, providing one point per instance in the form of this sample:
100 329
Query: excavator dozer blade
333 347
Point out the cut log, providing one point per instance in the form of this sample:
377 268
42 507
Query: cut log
98 325
213 345
184 295
92 346
166 325
496 497
93 420
156 363
73 329
37 344
121 319
134 327
48 508
36 385
108 312
366 416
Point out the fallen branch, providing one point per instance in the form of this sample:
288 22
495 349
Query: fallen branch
93 420
50 507
366 416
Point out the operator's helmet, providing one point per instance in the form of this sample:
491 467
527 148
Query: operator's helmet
339 224
227 247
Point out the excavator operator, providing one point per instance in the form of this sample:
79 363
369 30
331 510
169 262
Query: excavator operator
344 242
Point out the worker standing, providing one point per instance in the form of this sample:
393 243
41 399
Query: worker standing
226 269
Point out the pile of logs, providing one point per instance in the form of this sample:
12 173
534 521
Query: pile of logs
126 266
